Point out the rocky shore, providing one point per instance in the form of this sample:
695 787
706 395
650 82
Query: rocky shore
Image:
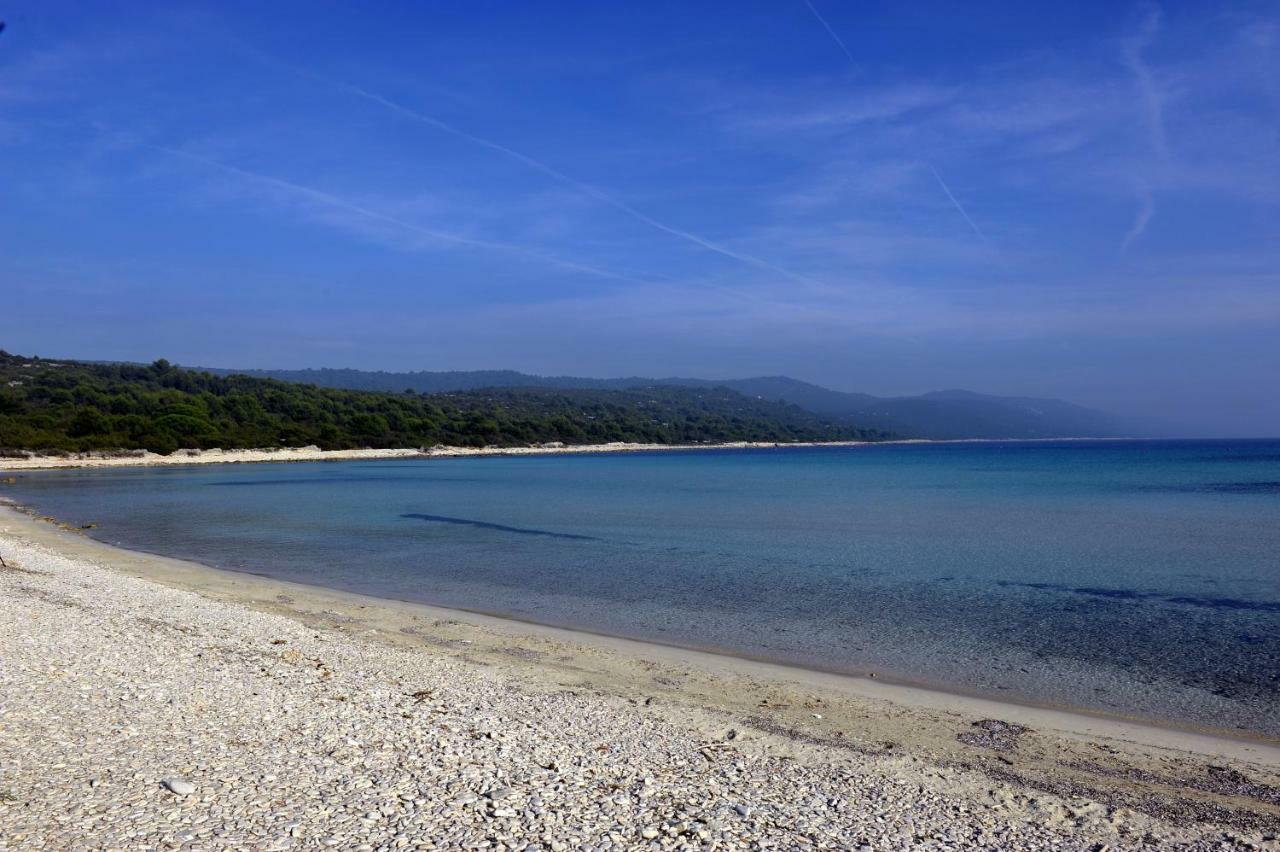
137 715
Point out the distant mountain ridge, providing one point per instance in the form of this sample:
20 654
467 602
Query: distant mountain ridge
940 415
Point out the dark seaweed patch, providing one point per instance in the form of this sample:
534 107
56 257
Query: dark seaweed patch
1252 487
1246 487
1227 603
993 734
296 481
1117 594
240 483
1134 595
1050 586
485 525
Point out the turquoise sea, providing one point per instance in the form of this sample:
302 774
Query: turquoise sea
1140 577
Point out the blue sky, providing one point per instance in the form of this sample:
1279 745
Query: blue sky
1078 200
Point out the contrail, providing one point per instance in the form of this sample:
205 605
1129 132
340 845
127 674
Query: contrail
941 182
828 28
538 166
584 188
343 204
972 224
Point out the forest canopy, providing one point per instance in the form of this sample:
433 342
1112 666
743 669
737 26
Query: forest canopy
75 406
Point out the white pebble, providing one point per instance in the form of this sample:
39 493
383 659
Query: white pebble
179 787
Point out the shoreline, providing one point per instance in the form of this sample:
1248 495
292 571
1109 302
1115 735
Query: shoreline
203 578
805 717
145 458
305 454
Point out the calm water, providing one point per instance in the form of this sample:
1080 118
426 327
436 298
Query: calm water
1141 577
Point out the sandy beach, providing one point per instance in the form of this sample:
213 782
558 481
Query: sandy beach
143 458
147 702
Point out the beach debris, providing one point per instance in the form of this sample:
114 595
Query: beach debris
523 653
993 734
179 786
710 750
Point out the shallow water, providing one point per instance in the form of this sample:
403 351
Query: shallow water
1135 577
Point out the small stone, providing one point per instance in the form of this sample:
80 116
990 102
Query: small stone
649 833
743 811
179 787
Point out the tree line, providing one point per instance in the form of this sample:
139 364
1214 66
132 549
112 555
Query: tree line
48 405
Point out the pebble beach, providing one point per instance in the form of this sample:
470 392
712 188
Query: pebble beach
138 714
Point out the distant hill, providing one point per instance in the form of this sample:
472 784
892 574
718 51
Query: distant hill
949 414
79 406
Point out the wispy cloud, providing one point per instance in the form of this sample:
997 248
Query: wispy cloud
1149 92
543 168
848 111
332 201
1151 103
1146 209
912 101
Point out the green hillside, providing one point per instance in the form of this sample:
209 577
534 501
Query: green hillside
74 406
938 415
